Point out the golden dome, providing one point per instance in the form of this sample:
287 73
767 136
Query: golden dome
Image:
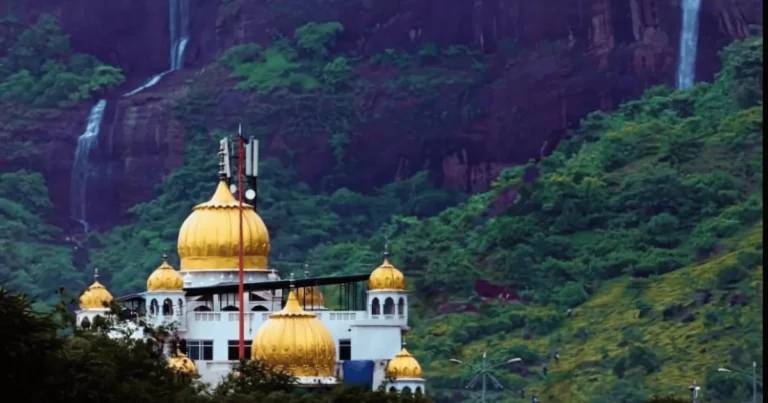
403 366
386 277
209 237
95 296
310 296
181 363
296 341
165 278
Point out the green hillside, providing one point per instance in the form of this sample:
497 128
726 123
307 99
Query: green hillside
647 222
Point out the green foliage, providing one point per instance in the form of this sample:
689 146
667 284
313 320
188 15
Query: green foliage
32 259
571 295
40 68
743 71
88 366
316 38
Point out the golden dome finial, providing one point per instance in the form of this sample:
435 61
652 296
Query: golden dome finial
96 295
386 276
310 296
296 341
165 278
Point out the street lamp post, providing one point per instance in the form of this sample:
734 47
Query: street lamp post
483 372
754 378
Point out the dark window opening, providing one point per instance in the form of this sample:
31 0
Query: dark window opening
200 350
233 350
345 350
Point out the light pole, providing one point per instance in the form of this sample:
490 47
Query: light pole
694 391
754 378
483 372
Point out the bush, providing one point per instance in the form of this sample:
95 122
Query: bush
571 295
731 275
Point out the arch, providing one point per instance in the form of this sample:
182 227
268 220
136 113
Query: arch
230 308
401 306
154 308
389 306
181 305
260 308
418 390
407 389
375 307
203 308
392 389
167 307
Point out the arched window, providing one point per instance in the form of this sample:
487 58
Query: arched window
375 307
401 306
154 307
392 390
181 305
167 307
203 308
389 306
418 390
260 308
230 308
407 390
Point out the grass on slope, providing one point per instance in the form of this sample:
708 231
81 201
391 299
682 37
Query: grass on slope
591 341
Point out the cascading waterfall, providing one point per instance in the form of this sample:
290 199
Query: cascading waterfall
689 36
179 36
179 32
82 169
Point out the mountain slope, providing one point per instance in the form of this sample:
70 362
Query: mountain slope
656 208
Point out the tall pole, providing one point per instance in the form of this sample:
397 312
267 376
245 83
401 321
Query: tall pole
240 287
754 382
483 396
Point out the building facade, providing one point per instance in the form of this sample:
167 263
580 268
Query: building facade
295 332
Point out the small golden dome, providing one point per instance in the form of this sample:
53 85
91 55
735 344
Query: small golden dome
403 366
310 296
386 277
296 341
209 237
95 296
165 278
181 363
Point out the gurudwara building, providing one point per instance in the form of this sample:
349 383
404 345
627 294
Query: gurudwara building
287 324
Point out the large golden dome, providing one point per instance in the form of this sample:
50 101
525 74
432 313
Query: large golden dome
181 363
95 296
296 341
165 278
403 366
209 237
386 277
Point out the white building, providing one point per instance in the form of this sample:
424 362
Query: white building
201 302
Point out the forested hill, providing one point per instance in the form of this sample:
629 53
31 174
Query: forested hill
647 223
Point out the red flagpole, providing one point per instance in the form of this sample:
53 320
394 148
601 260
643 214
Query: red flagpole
240 274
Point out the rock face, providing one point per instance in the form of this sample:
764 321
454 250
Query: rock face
584 55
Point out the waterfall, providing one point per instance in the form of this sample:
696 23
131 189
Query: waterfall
179 23
689 36
179 32
81 170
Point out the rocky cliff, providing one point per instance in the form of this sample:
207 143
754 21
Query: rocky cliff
550 63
